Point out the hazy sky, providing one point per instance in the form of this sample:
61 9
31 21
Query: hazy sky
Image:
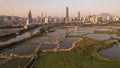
57 7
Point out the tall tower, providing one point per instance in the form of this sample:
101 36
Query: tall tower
29 16
67 13
77 16
42 15
41 20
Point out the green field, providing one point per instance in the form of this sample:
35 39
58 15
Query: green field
84 55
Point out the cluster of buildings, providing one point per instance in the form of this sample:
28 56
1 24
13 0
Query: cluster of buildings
43 19
96 19
11 21
91 19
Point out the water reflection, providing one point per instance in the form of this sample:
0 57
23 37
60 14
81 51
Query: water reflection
21 37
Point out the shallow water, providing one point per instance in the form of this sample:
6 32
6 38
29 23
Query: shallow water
113 52
23 49
99 36
44 39
48 46
21 37
67 43
15 63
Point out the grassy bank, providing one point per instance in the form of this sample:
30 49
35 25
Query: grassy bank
84 55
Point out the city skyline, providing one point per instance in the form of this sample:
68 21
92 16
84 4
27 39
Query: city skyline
57 7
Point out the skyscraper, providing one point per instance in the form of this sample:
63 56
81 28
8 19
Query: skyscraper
42 18
42 15
67 13
29 16
78 15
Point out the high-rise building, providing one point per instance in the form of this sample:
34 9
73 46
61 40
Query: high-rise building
42 18
29 16
46 20
77 17
67 13
42 15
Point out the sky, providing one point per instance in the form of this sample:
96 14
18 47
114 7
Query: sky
57 7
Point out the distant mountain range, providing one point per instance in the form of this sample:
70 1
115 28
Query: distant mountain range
105 14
